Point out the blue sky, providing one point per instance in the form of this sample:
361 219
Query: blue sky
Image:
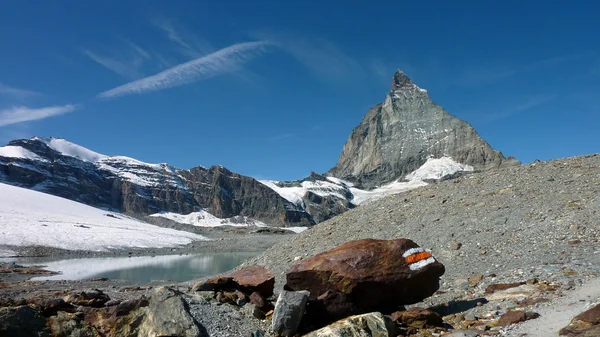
272 89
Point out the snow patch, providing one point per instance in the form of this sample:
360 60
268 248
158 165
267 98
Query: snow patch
30 218
11 151
433 169
205 219
72 150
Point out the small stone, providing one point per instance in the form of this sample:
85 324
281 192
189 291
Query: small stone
419 318
574 242
475 279
483 252
574 227
455 245
516 316
501 286
532 281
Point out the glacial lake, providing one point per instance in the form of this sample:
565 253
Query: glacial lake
139 269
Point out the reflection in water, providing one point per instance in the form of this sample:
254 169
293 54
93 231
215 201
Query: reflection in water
142 269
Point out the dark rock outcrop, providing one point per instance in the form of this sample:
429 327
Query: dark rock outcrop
366 275
397 136
289 311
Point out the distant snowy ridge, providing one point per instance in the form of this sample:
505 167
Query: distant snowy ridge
129 169
205 219
433 169
29 218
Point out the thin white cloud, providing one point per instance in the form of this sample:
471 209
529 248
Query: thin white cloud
17 93
226 60
123 68
319 55
21 114
192 46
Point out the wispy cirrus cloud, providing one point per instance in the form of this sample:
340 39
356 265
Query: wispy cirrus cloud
529 104
127 66
191 46
223 61
17 93
21 114
319 55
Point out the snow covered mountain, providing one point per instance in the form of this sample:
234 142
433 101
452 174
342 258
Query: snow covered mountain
59 167
201 196
29 218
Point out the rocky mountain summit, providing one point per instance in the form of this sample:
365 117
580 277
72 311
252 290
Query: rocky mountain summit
398 136
403 143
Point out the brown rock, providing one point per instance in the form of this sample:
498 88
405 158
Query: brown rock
248 279
419 318
50 306
365 275
215 284
95 298
586 324
258 300
501 286
516 316
255 278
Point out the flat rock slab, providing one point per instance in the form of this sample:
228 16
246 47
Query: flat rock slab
365 276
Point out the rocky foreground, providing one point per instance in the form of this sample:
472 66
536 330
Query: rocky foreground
519 247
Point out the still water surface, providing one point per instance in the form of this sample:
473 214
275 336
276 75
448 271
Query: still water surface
141 269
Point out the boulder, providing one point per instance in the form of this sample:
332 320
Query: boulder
248 279
255 278
586 324
50 306
365 276
168 315
289 311
66 324
23 321
419 318
365 325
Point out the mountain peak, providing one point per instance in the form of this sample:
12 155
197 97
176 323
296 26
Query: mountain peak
401 80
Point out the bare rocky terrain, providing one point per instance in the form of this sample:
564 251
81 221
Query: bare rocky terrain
534 226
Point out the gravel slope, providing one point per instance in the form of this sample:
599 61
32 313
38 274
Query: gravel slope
515 222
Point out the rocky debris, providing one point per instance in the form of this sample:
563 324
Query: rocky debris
419 318
586 324
94 298
68 324
23 321
516 316
168 315
366 275
366 325
397 136
289 311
